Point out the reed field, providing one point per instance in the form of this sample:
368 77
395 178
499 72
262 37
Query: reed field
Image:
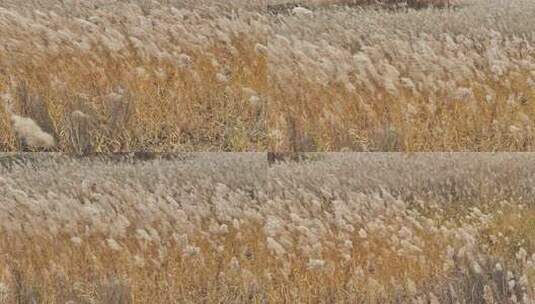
310 75
357 78
114 116
118 76
228 228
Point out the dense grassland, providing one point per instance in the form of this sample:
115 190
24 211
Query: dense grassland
307 75
142 77
109 76
226 228
346 78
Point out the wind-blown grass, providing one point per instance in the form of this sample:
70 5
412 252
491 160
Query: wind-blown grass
226 228
454 79
145 75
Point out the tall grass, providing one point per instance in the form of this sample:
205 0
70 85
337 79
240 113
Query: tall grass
451 79
268 75
226 228
134 75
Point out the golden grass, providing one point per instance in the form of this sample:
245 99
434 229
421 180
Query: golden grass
519 227
382 122
170 114
166 106
347 79
55 270
373 247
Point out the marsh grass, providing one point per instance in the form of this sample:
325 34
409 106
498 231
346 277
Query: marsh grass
227 228
142 77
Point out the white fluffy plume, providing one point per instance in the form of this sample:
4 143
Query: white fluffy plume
301 11
31 133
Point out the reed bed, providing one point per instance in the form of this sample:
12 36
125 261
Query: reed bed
228 228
